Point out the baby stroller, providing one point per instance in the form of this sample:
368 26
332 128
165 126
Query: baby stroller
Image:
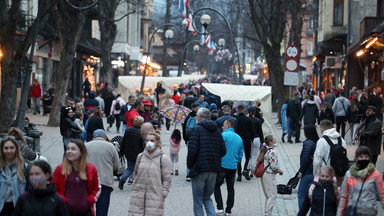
122 165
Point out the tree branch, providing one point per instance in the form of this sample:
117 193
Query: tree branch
127 14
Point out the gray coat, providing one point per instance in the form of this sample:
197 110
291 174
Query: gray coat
151 185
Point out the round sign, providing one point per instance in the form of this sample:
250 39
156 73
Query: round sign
292 51
291 65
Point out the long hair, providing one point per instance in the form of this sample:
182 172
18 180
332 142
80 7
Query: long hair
18 160
264 148
18 134
176 136
311 132
331 172
67 166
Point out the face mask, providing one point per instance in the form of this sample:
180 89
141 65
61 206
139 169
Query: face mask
150 145
36 181
362 163
324 183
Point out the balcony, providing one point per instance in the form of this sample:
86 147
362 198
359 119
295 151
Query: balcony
368 24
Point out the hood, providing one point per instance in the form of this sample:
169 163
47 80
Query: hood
51 189
154 154
209 125
92 95
332 133
309 102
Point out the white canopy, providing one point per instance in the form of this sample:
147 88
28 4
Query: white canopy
246 93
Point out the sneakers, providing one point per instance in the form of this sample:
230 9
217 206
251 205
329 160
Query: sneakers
177 172
289 140
188 179
121 184
246 175
238 178
220 212
130 181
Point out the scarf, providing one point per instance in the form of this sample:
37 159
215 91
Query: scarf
361 173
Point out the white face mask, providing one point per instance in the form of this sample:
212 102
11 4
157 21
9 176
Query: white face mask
150 145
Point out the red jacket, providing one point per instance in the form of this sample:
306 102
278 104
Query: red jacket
130 115
94 187
36 91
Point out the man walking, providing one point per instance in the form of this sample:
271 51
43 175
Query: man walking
227 115
339 108
293 114
104 156
131 114
205 149
246 132
234 146
370 133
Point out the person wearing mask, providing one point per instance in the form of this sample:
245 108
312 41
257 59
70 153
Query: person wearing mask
131 146
339 108
206 147
41 198
95 122
116 106
370 133
234 146
306 161
77 181
362 187
104 156
13 178
152 179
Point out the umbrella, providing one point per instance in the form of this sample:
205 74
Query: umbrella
176 113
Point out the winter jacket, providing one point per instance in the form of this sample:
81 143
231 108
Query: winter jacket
18 186
235 149
372 136
36 91
220 121
354 117
327 114
245 127
322 150
270 161
174 147
151 185
94 187
146 115
310 113
108 103
91 102
205 148
132 143
68 127
372 191
306 157
176 98
294 109
113 110
257 128
101 102
46 202
329 98
189 101
322 201
340 106
130 115
94 123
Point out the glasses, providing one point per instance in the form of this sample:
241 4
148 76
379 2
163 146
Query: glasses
7 137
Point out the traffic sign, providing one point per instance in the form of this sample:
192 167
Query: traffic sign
292 51
291 65
291 79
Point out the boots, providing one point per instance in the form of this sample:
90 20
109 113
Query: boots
290 140
177 172
246 175
282 137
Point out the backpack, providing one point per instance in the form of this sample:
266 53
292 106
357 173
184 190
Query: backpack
190 124
117 106
259 168
338 156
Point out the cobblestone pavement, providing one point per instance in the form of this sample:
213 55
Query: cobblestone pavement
249 198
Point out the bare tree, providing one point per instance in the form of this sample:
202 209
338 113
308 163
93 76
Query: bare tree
15 40
70 23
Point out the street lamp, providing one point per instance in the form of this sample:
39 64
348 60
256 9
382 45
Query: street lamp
221 42
168 35
196 48
205 20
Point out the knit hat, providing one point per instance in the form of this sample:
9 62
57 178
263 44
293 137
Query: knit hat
99 132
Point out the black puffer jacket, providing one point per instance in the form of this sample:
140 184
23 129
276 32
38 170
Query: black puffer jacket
317 204
310 113
67 126
306 157
132 143
94 123
41 202
258 129
205 148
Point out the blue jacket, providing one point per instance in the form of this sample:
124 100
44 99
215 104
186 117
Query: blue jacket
306 157
18 187
235 148
205 148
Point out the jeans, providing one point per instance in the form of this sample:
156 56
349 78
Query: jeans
128 171
123 129
36 105
302 191
118 122
229 175
66 141
102 204
340 121
202 188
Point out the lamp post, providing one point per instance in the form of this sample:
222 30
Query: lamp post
168 35
196 48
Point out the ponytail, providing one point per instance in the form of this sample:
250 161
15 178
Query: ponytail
264 148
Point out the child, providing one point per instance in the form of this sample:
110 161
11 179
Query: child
155 121
271 166
175 140
322 194
79 122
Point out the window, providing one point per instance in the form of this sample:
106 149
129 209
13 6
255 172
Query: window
310 48
338 12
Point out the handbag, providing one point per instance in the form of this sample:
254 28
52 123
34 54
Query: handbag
293 182
284 189
110 119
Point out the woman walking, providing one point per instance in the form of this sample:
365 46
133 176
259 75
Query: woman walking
77 181
13 177
42 196
354 114
167 102
271 166
152 179
362 187
306 161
